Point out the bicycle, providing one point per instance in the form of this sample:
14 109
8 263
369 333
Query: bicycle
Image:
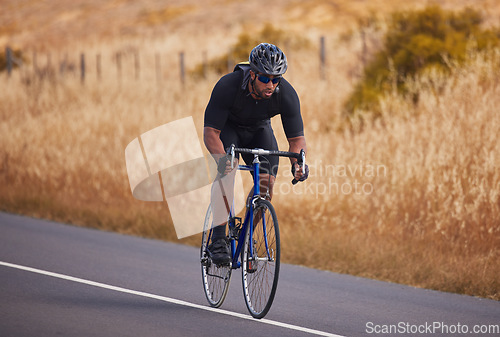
257 250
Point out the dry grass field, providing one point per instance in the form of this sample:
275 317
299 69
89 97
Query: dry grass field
412 198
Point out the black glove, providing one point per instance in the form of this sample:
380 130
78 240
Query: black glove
305 171
223 163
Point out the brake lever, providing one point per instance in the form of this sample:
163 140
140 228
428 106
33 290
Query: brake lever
231 150
302 162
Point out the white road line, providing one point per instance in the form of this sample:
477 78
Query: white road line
167 299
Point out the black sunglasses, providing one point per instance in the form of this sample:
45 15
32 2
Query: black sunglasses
264 79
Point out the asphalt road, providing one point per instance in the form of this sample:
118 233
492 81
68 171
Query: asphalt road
61 280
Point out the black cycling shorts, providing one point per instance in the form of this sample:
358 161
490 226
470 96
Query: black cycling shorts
258 136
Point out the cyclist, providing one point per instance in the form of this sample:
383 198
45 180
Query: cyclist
239 112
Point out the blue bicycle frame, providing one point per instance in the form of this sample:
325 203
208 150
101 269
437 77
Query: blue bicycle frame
234 228
237 232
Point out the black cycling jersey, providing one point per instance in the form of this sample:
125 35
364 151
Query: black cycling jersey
220 108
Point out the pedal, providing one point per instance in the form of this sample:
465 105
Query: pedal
205 261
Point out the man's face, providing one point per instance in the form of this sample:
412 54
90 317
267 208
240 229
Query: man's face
265 90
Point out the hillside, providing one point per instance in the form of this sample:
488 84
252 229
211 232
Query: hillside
189 24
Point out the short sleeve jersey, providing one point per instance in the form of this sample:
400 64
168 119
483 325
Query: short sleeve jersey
220 108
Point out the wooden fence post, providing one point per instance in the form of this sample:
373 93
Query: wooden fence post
183 71
364 48
98 66
119 65
205 64
35 64
158 68
322 57
137 65
8 54
229 61
82 68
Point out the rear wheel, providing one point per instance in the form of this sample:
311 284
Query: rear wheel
215 278
261 260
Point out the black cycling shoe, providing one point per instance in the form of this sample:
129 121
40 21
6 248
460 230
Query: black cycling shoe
219 252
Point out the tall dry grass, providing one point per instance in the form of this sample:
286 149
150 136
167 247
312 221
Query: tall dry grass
412 198
62 144
426 210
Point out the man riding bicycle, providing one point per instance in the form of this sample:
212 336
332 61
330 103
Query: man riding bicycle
239 112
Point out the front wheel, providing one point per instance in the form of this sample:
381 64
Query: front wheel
215 278
261 260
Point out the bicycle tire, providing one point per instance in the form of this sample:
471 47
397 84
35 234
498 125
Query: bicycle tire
215 278
260 273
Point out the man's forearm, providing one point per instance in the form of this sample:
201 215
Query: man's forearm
295 145
214 145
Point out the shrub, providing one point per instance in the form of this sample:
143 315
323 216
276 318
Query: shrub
415 42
